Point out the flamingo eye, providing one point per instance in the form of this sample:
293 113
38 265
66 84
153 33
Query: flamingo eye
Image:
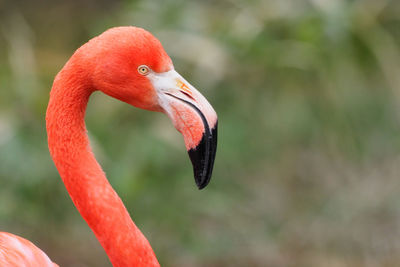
143 69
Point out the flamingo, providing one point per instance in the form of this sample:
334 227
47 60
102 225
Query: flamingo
129 64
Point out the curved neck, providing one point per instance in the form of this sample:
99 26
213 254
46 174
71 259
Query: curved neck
83 177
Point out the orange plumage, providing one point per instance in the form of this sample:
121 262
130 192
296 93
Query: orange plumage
129 64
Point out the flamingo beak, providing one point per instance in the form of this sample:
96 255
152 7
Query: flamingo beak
191 115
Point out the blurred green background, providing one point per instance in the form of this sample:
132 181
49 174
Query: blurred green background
308 165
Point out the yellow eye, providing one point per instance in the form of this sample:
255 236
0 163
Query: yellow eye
143 69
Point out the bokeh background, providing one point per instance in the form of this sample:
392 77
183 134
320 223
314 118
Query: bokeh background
308 165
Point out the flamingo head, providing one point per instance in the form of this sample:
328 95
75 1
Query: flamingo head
130 64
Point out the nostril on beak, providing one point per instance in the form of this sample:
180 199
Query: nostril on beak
186 94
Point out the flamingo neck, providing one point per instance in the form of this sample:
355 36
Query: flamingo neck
83 177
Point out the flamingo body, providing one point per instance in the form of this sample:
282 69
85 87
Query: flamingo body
129 64
19 252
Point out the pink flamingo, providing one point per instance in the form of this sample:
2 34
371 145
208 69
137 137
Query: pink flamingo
129 64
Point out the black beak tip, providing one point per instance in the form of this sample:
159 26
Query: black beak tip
203 156
202 182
